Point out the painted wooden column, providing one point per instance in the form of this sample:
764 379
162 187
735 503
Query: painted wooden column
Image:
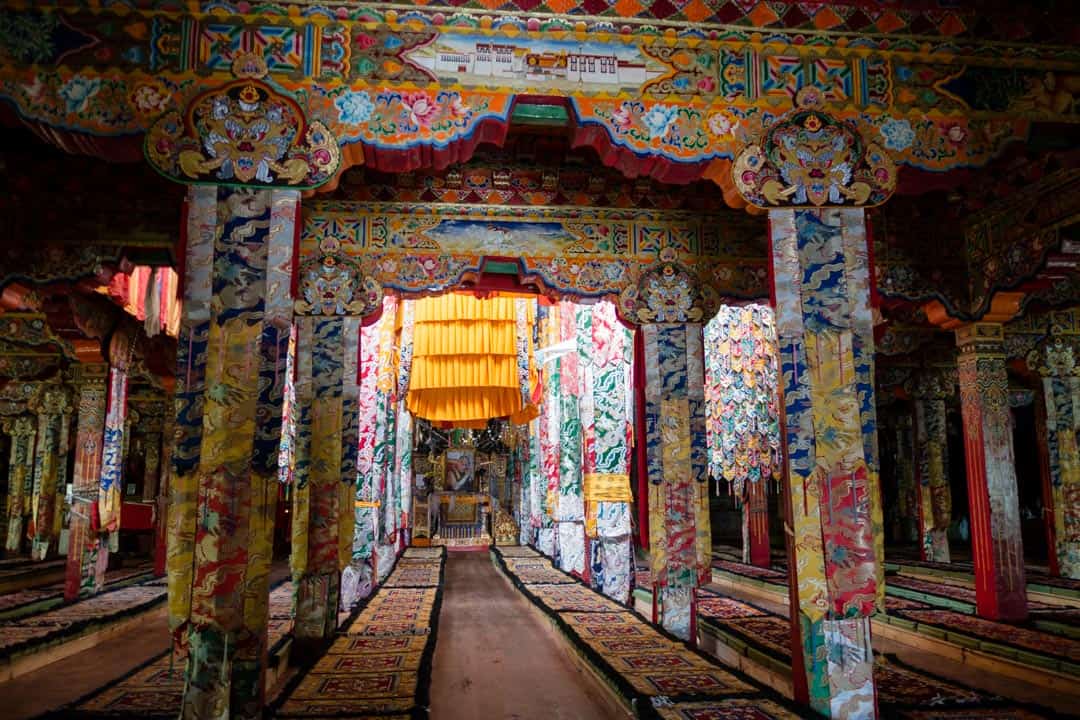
908 501
152 474
1055 361
325 407
668 303
111 491
161 526
23 432
931 389
240 236
86 558
994 506
230 378
323 460
824 326
755 520
53 407
815 173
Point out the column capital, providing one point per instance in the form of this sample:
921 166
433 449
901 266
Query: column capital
304 156
981 338
1003 307
91 374
1055 357
53 400
933 383
786 167
19 426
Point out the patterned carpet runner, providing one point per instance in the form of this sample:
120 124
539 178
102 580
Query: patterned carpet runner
14 604
960 593
1033 577
381 665
991 633
1054 647
658 674
31 633
902 690
154 689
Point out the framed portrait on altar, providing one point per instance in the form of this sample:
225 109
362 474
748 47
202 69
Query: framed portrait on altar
460 470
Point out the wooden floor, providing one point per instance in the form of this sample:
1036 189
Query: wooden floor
497 658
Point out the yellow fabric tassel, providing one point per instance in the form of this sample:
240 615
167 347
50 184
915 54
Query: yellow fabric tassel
603 487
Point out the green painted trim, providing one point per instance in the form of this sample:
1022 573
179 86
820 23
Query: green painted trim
545 115
1053 590
938 600
501 268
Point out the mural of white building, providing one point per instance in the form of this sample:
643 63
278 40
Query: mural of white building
563 62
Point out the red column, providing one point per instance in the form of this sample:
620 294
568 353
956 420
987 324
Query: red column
991 473
756 517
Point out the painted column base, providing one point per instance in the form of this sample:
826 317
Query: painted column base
936 546
677 609
223 683
14 534
1069 559
357 582
840 667
317 598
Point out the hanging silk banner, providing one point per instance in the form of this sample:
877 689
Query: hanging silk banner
112 455
403 461
386 436
604 351
287 448
367 492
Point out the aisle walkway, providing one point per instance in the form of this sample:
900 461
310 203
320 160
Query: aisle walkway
497 658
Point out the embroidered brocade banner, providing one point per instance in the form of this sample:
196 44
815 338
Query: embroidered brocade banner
825 336
679 536
112 456
230 386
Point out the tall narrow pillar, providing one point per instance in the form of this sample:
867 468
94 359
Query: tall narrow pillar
821 280
908 500
991 473
161 521
324 462
241 231
23 432
814 173
669 304
230 378
85 571
152 473
755 521
680 541
111 494
1055 361
53 408
930 390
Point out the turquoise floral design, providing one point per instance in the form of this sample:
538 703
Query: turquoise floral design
659 119
77 91
354 108
898 134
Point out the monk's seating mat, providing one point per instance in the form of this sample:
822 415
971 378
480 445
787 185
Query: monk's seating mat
380 665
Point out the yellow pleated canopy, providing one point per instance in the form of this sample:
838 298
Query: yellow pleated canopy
465 358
